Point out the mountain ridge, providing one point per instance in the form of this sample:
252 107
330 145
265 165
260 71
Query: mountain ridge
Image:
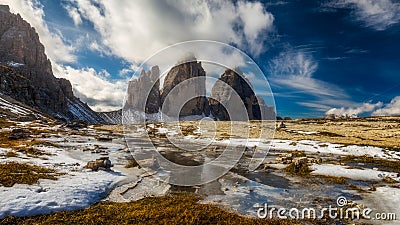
26 73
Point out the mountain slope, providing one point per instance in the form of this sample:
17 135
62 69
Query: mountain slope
14 110
26 73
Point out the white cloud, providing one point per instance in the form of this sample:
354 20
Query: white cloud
255 19
294 69
391 109
94 88
32 11
363 108
133 30
73 13
378 14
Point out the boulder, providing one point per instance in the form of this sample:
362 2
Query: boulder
102 163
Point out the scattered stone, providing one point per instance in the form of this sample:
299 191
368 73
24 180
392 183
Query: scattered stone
103 163
104 138
389 180
282 125
315 160
17 133
96 150
289 155
77 125
300 161
284 160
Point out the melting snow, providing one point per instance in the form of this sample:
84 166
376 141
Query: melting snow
13 108
14 64
354 174
337 149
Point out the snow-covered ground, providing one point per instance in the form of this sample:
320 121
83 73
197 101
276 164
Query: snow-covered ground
336 149
79 188
13 108
76 190
354 174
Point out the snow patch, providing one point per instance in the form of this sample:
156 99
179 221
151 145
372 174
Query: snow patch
354 174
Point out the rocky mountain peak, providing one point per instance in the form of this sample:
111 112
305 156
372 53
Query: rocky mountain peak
26 73
189 79
179 86
222 95
144 92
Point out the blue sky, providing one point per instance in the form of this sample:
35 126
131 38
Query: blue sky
335 56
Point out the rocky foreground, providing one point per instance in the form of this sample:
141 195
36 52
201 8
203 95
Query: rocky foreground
48 166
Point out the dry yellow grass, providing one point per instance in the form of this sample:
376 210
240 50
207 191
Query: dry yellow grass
173 209
17 173
378 131
374 131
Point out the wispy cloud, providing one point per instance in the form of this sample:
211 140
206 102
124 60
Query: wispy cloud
294 69
391 109
377 14
73 13
133 30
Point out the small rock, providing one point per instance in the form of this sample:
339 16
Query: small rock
289 155
300 161
17 133
103 163
104 138
77 125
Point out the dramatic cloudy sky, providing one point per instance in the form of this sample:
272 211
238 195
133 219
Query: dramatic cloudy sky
331 56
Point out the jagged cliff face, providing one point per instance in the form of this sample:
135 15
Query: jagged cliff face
144 92
185 83
26 73
222 97
184 94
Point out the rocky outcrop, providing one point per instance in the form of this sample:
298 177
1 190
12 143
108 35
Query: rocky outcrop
184 94
26 73
225 96
184 89
144 92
